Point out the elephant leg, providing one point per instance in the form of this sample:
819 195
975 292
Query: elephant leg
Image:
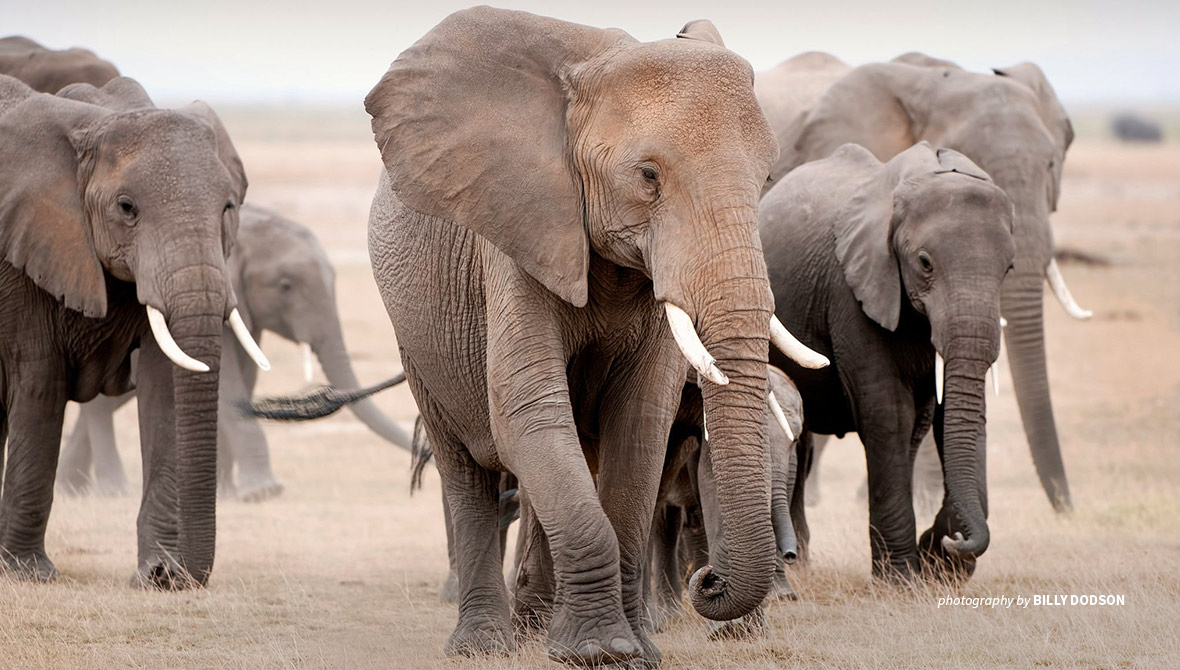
664 597
99 414
927 485
892 527
535 589
244 439
638 408
804 454
34 421
450 588
820 442
73 465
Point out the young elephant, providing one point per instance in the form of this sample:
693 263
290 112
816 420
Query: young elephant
115 222
286 285
49 70
888 268
554 196
688 491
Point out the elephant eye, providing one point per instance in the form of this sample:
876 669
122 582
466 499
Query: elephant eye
285 285
127 206
229 207
925 262
649 173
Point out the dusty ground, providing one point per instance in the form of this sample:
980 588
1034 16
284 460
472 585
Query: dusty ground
344 569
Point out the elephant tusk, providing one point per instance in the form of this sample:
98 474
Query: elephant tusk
691 346
308 363
168 345
777 410
1003 322
995 369
793 348
939 372
243 334
1057 283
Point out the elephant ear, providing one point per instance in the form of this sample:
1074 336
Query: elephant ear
950 160
471 124
121 94
864 227
232 162
43 227
922 60
1052 114
868 107
702 30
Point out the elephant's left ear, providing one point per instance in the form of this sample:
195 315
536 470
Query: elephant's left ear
43 226
1049 107
702 30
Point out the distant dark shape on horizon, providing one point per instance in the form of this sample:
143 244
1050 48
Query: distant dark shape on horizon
1134 127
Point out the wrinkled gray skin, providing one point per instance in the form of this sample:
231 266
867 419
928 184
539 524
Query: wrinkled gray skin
48 70
877 266
286 285
688 488
1010 124
108 204
592 177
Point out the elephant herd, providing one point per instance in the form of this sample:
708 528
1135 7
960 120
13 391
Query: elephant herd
635 280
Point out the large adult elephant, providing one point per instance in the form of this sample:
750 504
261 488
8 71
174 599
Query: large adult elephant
286 285
115 222
1010 124
50 70
555 195
890 269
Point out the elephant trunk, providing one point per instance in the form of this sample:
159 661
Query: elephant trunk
734 326
333 357
963 440
1022 299
196 322
782 489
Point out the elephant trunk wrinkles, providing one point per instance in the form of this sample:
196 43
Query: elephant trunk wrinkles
782 487
196 318
338 368
1023 306
734 321
964 436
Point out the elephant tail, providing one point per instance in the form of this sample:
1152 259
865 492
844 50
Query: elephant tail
420 454
314 404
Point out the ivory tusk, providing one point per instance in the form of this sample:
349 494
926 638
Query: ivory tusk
777 410
1057 283
691 346
168 345
939 372
793 348
996 377
243 334
1003 322
308 364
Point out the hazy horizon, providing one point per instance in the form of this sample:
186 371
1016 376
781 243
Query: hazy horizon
1095 53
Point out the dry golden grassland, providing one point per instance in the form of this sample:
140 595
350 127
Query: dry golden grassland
343 570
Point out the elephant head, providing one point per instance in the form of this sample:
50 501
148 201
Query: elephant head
1013 126
49 70
930 232
99 186
558 143
287 285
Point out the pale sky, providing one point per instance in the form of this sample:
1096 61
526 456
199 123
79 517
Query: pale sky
334 51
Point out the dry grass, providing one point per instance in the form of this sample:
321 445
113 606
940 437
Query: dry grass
343 570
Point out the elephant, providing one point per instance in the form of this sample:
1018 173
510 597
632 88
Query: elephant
1132 127
1011 125
688 490
116 218
893 271
49 71
286 285
566 214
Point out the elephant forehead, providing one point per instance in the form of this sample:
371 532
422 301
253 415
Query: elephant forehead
155 129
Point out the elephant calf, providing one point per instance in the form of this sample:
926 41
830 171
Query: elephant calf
890 269
286 285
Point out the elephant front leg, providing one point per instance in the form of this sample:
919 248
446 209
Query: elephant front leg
34 435
664 596
535 589
892 527
637 412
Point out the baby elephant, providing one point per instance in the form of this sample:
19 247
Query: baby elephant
686 534
285 284
893 271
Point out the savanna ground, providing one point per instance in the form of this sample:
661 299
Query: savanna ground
344 569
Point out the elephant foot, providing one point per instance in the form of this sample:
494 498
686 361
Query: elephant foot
662 614
596 643
752 625
110 488
260 492
33 566
897 572
480 637
449 593
782 590
163 574
73 484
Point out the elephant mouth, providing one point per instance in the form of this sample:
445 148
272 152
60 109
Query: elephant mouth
168 345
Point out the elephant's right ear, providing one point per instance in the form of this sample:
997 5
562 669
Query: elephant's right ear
43 227
471 123
863 229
